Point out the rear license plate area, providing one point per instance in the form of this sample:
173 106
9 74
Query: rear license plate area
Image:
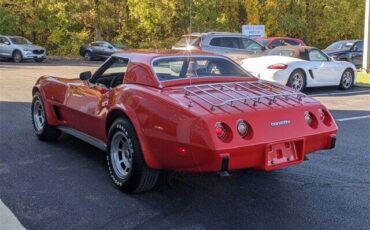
283 154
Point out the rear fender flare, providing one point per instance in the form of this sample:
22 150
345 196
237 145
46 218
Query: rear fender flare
130 114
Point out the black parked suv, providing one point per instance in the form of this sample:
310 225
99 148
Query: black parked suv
347 50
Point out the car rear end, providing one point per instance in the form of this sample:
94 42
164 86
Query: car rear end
256 125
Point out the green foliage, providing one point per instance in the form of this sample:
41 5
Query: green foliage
62 26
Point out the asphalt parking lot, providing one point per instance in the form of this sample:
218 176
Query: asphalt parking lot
65 185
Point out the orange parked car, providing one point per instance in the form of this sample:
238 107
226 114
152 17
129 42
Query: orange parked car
181 111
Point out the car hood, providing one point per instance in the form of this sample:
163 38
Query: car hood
335 52
31 47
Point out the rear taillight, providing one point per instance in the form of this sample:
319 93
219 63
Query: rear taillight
277 66
310 119
324 117
221 130
242 128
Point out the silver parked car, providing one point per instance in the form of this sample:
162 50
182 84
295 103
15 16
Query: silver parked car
19 49
234 45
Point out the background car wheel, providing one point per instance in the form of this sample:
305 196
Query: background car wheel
297 80
17 56
43 130
88 56
125 161
347 79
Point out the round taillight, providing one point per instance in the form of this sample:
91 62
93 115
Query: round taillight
242 127
220 130
310 119
324 117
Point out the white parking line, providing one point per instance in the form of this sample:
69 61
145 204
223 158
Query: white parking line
344 93
353 118
8 221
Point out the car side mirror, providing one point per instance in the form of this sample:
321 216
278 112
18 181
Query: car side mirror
7 43
84 76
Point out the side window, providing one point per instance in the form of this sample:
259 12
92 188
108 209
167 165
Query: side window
291 42
317 55
215 42
227 42
3 40
118 66
112 73
359 47
276 43
249 44
95 44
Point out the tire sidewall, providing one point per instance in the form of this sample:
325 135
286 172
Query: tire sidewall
88 56
290 81
37 97
342 78
122 125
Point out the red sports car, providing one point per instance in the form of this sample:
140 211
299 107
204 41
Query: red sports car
172 110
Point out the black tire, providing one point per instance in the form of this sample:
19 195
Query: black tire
43 130
17 56
88 56
39 60
347 79
297 80
126 164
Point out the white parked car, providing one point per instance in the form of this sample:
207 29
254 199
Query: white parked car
300 67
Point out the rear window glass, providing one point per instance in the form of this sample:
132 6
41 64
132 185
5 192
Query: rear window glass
278 52
175 68
188 41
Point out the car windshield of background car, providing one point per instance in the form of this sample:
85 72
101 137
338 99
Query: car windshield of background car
340 46
175 68
20 41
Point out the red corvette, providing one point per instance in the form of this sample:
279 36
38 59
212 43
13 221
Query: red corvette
169 110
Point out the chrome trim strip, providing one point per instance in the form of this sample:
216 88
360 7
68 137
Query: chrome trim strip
84 137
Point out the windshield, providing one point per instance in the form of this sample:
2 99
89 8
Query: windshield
188 41
342 45
20 41
281 52
175 68
263 42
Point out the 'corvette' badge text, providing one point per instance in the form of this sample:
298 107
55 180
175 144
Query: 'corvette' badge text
279 123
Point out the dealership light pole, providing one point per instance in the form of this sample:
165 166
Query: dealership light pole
366 56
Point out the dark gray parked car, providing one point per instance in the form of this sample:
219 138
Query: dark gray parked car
19 49
347 50
234 45
100 50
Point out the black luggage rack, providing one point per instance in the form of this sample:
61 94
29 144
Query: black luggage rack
242 92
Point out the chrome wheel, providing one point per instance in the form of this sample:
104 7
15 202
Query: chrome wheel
38 115
121 155
297 81
347 79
